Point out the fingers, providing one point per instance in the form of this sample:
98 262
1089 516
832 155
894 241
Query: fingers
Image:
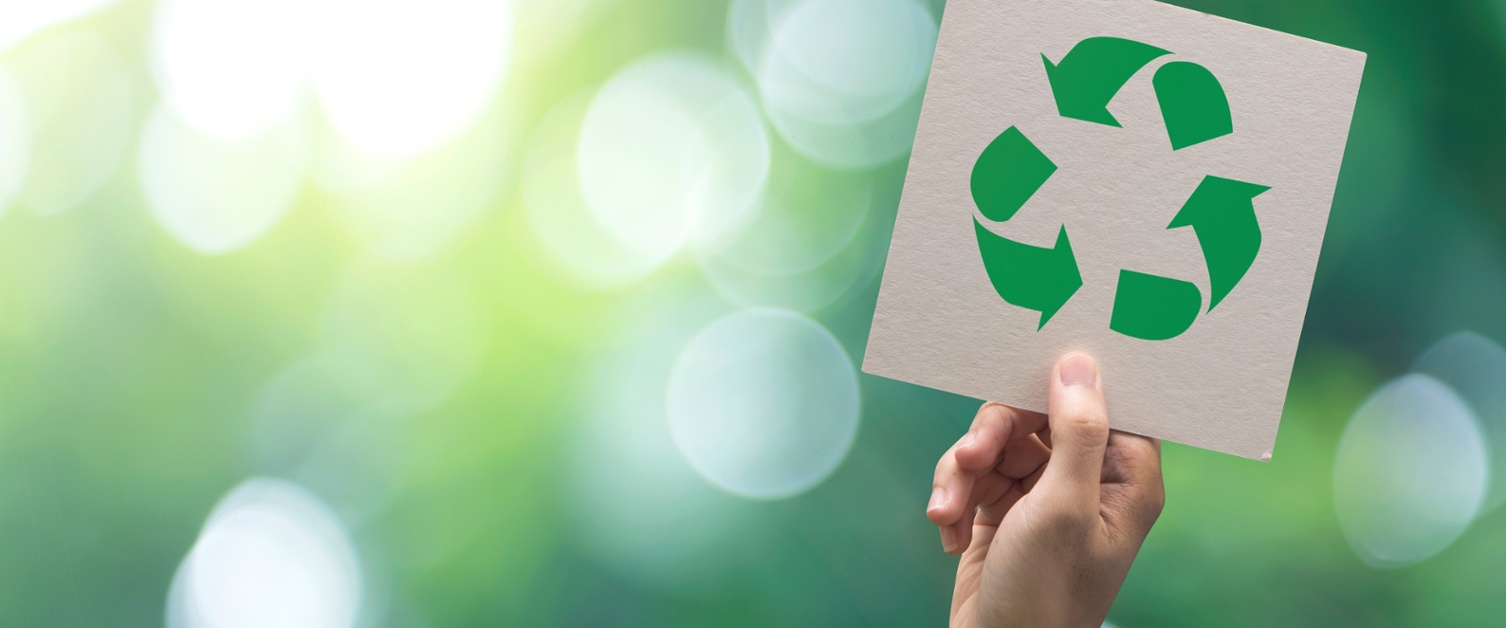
1023 457
1132 467
1132 459
963 477
993 429
1079 433
991 514
950 491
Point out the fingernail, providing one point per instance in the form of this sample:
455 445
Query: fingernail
948 539
1079 370
938 497
967 440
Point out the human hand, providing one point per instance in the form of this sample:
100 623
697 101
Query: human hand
1048 514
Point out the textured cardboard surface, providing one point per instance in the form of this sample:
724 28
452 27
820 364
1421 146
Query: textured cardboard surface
1221 384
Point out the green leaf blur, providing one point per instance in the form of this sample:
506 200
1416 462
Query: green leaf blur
443 370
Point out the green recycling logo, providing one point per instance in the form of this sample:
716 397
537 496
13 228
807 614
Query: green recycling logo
1220 211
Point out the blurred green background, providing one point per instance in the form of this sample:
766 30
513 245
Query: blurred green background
548 312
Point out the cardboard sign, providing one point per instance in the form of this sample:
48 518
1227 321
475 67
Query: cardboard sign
1141 182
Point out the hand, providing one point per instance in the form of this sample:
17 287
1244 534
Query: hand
1048 514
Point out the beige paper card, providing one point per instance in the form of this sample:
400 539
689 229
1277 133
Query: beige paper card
1142 182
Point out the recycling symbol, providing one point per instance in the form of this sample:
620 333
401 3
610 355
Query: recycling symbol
1221 211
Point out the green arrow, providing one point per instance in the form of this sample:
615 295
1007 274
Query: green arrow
1192 103
1008 172
1031 277
1222 212
1092 72
1151 307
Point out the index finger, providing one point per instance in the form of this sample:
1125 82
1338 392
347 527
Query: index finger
995 426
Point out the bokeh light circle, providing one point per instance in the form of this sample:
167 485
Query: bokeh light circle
79 96
814 239
850 61
841 80
215 196
748 25
637 507
271 554
15 140
1475 367
854 146
671 151
763 403
230 68
400 77
1410 473
807 215
853 268
556 209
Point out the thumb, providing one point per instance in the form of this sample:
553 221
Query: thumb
1079 431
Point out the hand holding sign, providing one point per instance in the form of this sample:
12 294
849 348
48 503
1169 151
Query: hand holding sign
1048 514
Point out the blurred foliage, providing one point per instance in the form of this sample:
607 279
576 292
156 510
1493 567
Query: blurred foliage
130 363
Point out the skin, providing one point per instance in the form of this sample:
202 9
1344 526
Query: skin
1046 510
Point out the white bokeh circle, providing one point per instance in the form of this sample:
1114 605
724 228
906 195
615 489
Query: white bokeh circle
841 80
400 77
79 95
1410 472
749 23
813 240
557 211
853 268
672 150
271 554
395 78
230 68
1475 367
15 140
638 508
853 146
763 403
846 61
217 196
805 217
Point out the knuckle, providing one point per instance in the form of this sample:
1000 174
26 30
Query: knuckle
1068 523
990 413
945 468
1089 423
940 481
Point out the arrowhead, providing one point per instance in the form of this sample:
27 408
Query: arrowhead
1092 72
1222 213
1032 277
1069 277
